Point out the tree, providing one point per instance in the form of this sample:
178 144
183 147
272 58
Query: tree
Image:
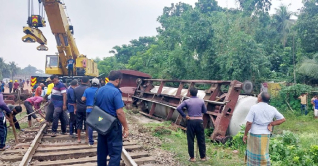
2 67
307 26
255 7
282 22
13 69
308 67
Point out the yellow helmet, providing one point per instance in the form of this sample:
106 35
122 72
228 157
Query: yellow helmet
10 80
15 80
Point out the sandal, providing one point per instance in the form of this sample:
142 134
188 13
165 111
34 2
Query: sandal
191 160
204 159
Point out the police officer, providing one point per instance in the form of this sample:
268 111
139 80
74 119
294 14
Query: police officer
109 99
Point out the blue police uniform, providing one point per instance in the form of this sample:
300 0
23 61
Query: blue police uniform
109 99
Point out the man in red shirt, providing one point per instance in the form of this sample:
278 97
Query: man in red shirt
38 90
15 86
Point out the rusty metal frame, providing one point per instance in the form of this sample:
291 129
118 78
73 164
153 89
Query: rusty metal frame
220 105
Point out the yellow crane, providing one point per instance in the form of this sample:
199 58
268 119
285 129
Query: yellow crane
63 32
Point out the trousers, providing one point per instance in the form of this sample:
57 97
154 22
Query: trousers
70 70
303 107
29 109
58 114
80 119
3 131
90 132
195 129
110 145
72 123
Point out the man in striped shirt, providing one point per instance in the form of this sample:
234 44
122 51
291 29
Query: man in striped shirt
58 98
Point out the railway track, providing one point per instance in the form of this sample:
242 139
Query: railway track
40 149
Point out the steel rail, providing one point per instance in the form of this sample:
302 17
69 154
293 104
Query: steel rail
34 145
127 159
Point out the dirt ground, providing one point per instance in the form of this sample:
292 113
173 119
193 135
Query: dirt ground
148 141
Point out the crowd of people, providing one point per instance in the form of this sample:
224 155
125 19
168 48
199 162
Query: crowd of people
71 104
14 86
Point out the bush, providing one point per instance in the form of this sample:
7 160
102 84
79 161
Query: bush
290 94
285 150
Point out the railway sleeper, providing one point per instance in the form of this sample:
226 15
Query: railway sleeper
63 155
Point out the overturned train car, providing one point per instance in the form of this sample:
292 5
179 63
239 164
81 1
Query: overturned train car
226 107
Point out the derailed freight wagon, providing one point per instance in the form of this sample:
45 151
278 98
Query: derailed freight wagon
226 106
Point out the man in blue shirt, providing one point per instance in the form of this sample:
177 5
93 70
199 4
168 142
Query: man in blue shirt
109 99
196 108
88 96
70 64
71 106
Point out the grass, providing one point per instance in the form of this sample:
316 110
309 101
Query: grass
23 125
304 126
175 141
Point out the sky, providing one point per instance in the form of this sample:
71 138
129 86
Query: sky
99 26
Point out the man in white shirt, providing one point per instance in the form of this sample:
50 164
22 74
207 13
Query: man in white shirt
259 126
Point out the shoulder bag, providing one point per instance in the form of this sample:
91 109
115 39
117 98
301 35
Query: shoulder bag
100 120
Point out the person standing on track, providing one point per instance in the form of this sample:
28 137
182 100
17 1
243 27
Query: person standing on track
38 90
47 96
71 106
15 86
109 99
88 96
196 108
21 85
10 86
59 100
29 103
259 127
80 110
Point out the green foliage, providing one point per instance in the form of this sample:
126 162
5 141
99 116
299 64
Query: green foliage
210 42
290 94
307 25
286 150
237 141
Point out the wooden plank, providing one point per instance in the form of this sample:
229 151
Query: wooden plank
69 161
126 143
143 160
28 155
133 147
86 164
63 155
48 138
15 151
11 158
139 155
61 148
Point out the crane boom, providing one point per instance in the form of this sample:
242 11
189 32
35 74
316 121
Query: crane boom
66 45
